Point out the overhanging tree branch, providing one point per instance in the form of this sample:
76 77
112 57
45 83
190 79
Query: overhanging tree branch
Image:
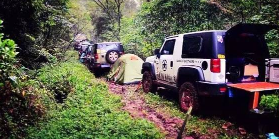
112 8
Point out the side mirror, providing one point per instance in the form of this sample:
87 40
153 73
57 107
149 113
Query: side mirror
157 52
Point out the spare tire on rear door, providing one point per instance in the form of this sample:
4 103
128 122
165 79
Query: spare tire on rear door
112 56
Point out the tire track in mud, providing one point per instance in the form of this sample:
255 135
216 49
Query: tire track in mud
136 106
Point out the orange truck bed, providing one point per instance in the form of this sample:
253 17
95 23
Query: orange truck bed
255 88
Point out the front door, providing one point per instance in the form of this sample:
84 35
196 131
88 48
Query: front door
165 62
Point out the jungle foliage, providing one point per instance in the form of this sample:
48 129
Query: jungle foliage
145 31
270 103
34 32
64 100
17 110
88 111
39 27
49 102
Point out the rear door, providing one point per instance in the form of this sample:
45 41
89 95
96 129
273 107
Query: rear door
257 29
237 43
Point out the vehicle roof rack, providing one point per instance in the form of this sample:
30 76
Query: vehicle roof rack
171 36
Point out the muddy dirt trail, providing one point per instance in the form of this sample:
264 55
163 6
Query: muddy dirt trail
138 106
135 104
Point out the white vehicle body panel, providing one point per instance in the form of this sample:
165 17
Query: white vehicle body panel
169 74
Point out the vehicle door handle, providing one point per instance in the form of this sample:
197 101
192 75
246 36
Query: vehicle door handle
171 64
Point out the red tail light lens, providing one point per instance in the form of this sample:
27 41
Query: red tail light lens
96 56
215 65
223 89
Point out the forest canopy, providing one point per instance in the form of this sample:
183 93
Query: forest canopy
35 38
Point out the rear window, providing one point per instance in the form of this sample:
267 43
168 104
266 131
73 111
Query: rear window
83 47
192 45
198 45
111 46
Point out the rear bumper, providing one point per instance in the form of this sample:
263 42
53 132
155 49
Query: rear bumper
207 88
98 65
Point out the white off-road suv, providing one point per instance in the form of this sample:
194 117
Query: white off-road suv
203 63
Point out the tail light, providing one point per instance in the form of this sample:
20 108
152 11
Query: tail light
223 89
96 56
215 65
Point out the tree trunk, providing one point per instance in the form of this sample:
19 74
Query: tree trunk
119 22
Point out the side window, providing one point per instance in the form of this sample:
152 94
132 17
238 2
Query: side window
192 45
168 47
95 48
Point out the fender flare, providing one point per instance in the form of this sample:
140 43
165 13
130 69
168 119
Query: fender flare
146 66
189 73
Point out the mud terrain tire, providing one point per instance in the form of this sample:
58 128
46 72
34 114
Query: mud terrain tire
188 97
147 83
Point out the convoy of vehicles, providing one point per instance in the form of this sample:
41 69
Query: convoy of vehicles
204 63
83 46
100 55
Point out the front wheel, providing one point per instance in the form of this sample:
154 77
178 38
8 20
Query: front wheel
147 83
188 97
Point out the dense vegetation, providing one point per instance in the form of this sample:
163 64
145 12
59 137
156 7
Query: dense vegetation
44 94
144 31
270 103
39 27
62 100
34 32
89 111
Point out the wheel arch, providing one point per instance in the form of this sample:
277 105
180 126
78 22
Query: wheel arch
189 74
146 66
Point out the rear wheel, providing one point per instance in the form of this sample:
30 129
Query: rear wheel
147 83
188 97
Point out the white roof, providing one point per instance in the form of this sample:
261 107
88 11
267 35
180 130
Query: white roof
197 32
86 43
